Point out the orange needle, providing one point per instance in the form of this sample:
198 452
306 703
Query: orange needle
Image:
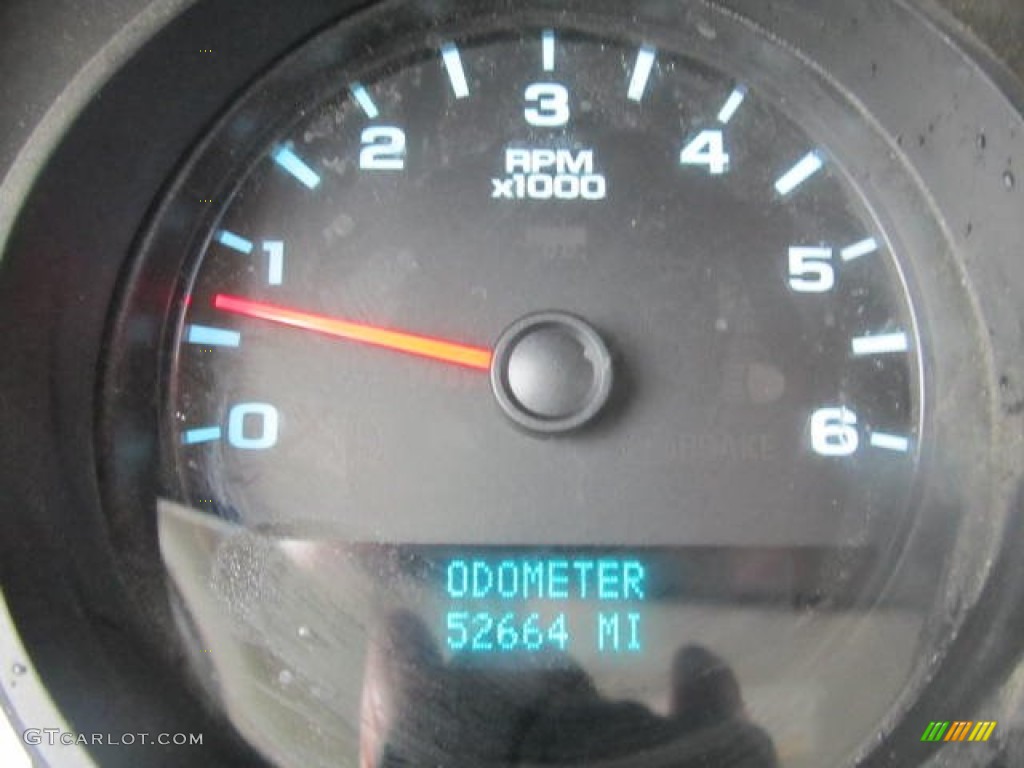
435 349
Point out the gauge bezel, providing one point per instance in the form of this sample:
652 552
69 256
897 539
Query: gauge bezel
279 100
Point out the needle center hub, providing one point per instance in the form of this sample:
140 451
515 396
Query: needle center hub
551 372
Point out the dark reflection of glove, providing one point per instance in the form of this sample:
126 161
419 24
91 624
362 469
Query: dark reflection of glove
543 710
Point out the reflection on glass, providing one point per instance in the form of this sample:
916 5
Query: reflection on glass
419 710
324 652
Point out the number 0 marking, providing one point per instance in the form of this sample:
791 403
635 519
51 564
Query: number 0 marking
264 415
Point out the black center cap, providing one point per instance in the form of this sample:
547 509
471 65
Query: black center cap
551 372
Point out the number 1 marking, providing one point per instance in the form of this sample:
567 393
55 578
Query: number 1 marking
275 258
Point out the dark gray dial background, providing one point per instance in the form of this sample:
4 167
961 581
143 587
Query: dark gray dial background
719 364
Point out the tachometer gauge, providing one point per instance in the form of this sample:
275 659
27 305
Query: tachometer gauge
554 386
543 288
578 328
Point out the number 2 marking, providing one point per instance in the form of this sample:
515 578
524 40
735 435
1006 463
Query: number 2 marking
383 148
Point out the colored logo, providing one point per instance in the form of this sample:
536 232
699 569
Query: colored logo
960 730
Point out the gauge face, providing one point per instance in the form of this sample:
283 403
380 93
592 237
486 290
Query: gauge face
551 334
337 361
490 384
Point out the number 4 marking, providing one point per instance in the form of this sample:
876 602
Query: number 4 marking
707 149
557 633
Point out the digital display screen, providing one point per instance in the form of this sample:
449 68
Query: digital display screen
532 604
